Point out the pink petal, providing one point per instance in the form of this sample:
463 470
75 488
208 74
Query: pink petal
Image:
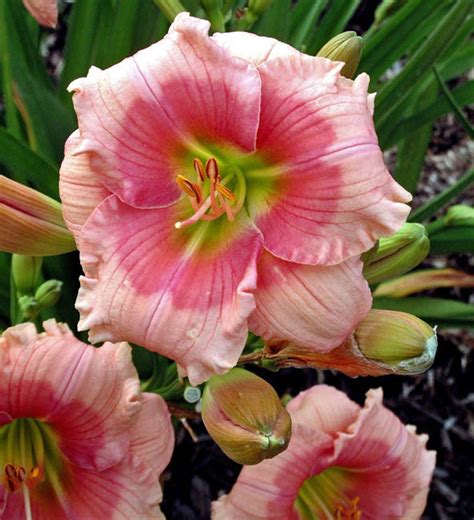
81 190
90 396
393 466
152 435
336 197
303 304
252 48
146 283
140 117
45 11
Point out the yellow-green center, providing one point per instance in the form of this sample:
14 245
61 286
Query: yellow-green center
325 497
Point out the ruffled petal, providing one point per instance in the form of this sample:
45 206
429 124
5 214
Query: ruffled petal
44 11
138 118
335 196
152 435
90 396
252 48
166 289
80 189
392 468
303 304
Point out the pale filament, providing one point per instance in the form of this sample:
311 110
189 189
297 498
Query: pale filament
220 200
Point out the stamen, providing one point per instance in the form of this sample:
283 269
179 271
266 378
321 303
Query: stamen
212 169
199 169
226 192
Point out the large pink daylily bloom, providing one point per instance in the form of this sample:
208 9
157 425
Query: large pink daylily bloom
78 440
343 462
44 11
217 183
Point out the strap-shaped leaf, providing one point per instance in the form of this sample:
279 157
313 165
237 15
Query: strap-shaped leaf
454 239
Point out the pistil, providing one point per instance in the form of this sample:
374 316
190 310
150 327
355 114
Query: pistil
220 198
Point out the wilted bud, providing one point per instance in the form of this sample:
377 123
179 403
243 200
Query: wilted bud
398 253
245 417
459 215
48 293
397 339
32 223
345 47
26 271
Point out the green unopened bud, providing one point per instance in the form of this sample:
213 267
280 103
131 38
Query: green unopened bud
48 293
29 307
460 215
398 253
26 272
345 47
397 339
245 417
258 7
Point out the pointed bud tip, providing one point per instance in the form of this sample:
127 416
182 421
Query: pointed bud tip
345 47
245 417
398 339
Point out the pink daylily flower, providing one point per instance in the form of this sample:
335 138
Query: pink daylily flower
343 462
78 440
221 183
44 11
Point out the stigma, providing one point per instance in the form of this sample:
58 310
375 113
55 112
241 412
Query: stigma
208 195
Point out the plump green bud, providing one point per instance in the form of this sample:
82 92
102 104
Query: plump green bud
245 417
460 215
26 272
397 254
397 339
48 293
345 47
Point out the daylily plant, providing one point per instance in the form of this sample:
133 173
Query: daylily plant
223 183
343 462
78 440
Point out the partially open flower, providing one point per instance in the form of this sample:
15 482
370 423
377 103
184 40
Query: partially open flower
77 437
223 183
245 417
342 462
32 223
44 11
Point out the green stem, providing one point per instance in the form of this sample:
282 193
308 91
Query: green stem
170 8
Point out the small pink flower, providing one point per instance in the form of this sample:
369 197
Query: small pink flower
78 440
44 11
343 462
221 183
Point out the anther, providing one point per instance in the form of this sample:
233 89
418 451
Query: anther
199 169
212 169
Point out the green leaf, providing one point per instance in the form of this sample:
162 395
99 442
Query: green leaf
334 21
455 239
382 48
412 150
437 311
396 90
303 20
463 95
274 21
436 203
457 110
26 166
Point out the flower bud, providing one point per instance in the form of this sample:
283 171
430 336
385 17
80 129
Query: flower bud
345 47
48 293
460 215
397 339
29 308
258 7
398 253
245 417
32 223
26 271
